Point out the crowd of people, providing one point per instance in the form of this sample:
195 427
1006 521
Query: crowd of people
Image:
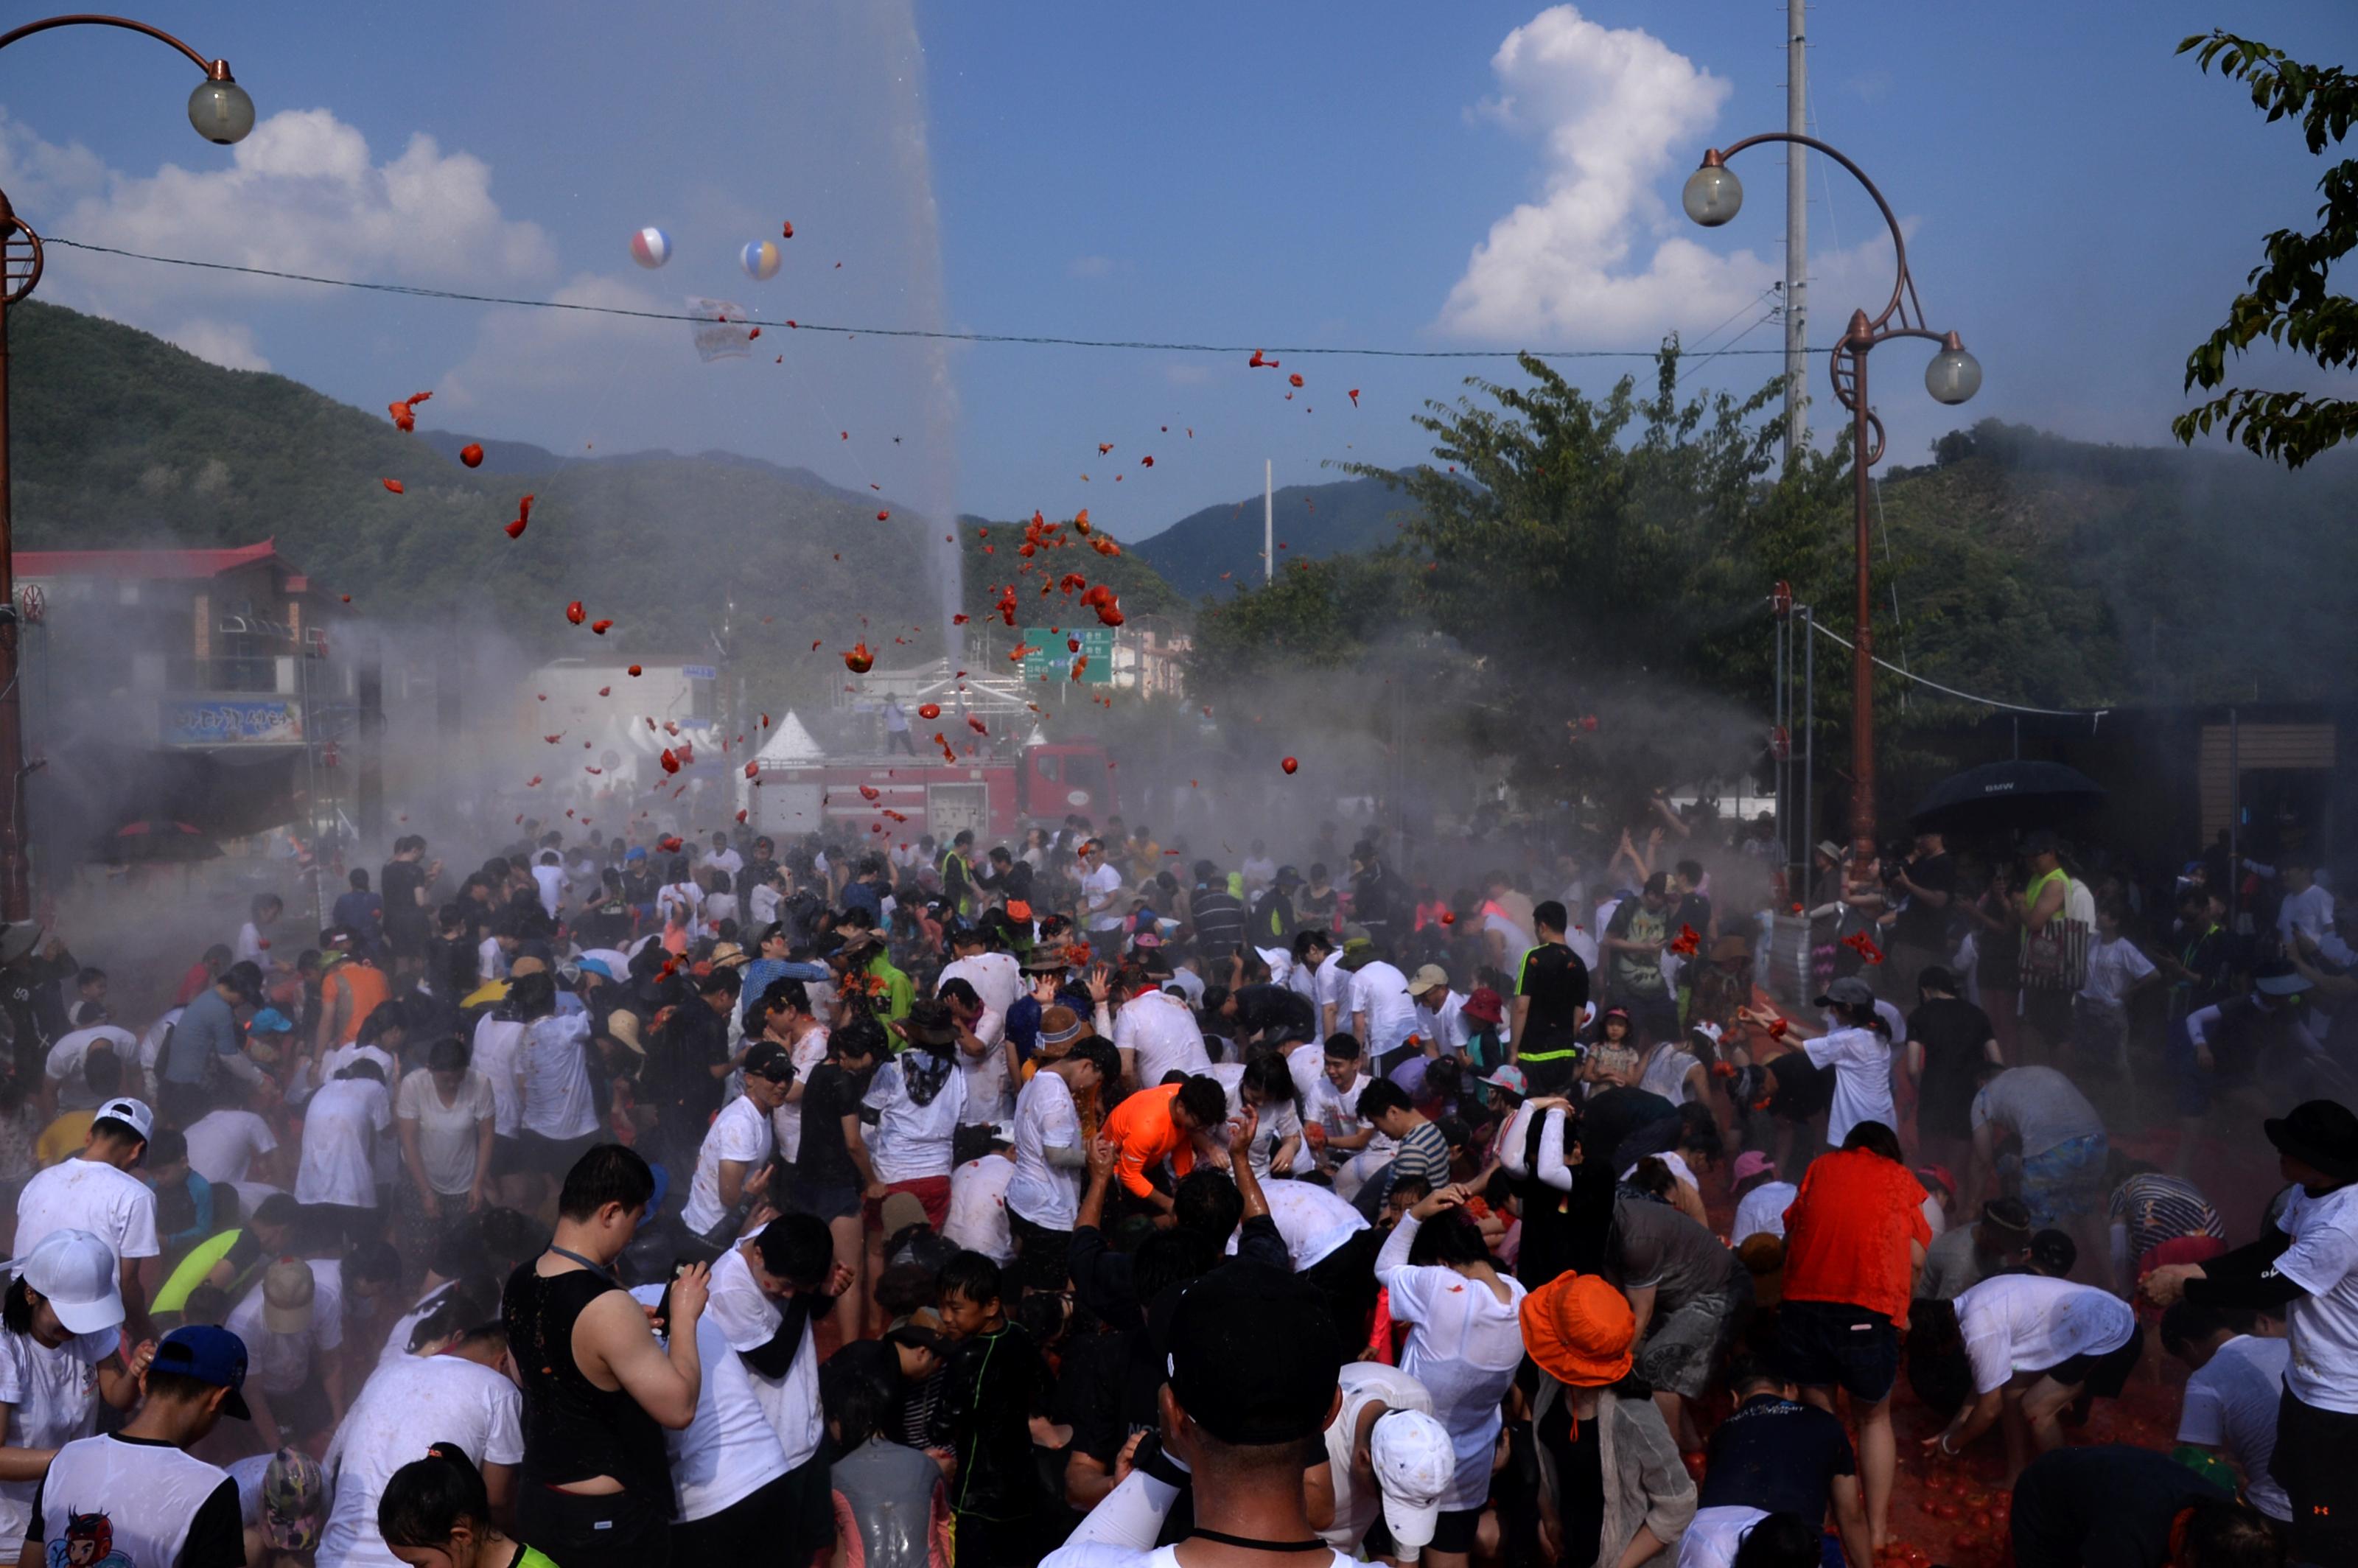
628 1200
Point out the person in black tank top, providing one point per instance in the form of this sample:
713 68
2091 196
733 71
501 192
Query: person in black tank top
595 1487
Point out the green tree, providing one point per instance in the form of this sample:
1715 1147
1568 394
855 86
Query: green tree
2288 298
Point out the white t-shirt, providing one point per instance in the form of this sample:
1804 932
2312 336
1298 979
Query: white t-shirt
282 1362
448 1135
490 960
1330 986
88 1194
740 1133
682 900
1448 1027
64 1069
1048 1196
2027 1323
52 1399
339 1129
912 1141
1380 990
152 1496
1276 1124
1163 1032
408 1405
222 1143
1363 1383
978 1216
763 904
554 1072
1101 899
2231 1404
494 1055
1714 1535
747 1319
2323 1324
396 1343
1313 1221
151 1046
1862 1062
551 888
727 1451
1763 1209
252 948
2113 968
787 1122
1464 1345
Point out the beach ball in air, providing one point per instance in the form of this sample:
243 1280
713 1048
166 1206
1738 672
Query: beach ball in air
760 260
651 248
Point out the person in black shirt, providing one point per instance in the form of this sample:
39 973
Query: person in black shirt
1920 935
1775 1453
994 1381
403 884
2116 1507
1948 1040
1274 920
1380 901
1550 999
1269 1015
1218 915
827 1183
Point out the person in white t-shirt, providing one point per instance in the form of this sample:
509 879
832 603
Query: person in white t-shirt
461 1396
978 1219
1761 1199
1376 1463
447 1117
292 1328
231 1143
340 1127
1265 1086
996 981
767 1292
2031 1344
95 1192
916 1098
549 876
2235 1383
1102 913
1044 1191
252 944
1857 1046
60 1349
1383 1013
1157 1034
783 1015
63 1084
732 1163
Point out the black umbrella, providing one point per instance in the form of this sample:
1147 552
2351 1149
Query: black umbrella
1999 795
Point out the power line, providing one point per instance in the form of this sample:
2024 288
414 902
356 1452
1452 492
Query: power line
2089 713
415 291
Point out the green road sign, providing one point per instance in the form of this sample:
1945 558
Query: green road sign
1054 660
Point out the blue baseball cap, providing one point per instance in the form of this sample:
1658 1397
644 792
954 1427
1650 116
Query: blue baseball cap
270 1021
637 854
596 967
210 1354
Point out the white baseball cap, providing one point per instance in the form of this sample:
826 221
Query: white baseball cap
1414 1465
132 1113
79 1275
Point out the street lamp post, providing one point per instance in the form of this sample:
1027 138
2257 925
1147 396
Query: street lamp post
222 113
1711 197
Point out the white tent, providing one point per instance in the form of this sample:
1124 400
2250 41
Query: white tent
789 746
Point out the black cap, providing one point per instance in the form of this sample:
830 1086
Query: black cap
1847 991
1254 1355
2320 1133
768 1059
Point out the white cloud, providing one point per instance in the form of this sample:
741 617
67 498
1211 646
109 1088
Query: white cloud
522 354
303 193
1600 257
229 344
1089 267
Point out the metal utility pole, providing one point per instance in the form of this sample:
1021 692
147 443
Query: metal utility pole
1797 231
1268 521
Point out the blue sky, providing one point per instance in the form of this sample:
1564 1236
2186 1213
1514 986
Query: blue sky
2079 203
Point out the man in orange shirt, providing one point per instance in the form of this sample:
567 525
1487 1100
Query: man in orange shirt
350 989
1159 1123
1854 1238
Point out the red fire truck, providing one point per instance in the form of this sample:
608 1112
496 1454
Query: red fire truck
793 793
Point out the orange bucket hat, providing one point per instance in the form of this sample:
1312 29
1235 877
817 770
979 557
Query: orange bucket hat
1578 1330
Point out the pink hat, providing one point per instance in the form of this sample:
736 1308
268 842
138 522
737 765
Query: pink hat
1751 1164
